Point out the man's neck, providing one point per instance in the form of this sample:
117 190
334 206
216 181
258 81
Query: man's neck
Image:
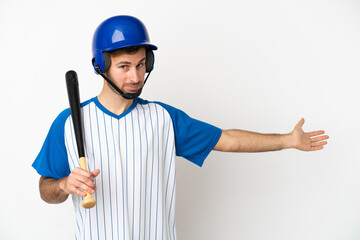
113 101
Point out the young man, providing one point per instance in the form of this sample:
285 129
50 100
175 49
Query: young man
131 144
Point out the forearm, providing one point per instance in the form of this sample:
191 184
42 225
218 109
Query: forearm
52 190
245 141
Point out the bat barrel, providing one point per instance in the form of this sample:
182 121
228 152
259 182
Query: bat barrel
72 86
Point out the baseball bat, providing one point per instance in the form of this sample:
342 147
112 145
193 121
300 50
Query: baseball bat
72 86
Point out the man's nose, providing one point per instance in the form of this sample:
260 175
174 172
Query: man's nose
134 76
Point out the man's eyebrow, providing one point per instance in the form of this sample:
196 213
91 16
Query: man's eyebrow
123 62
129 63
142 60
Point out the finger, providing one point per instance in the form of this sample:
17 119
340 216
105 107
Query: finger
74 190
320 138
316 148
88 182
76 186
315 133
80 173
79 192
317 144
300 123
87 188
95 173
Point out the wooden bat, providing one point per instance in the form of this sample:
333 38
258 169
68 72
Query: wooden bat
72 86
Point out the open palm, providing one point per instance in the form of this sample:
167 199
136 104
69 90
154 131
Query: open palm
308 141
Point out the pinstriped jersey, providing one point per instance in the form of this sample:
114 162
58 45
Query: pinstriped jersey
135 152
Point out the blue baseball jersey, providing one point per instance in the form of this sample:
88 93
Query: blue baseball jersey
135 152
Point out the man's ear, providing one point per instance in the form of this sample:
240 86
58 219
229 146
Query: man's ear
107 61
149 60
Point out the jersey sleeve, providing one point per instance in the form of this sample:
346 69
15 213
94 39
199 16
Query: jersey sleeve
52 159
194 139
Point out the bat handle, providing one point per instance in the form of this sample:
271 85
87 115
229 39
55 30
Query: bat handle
88 201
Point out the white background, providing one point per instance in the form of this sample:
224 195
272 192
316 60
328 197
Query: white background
255 65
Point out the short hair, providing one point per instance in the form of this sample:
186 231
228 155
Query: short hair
126 50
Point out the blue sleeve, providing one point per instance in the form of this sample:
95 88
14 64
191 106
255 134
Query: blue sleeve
52 160
194 139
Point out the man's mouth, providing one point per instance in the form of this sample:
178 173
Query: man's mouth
132 88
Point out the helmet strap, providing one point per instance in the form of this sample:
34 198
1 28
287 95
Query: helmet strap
123 94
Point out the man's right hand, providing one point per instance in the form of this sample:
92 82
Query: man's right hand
79 179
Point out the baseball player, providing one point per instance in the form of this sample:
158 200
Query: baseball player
131 144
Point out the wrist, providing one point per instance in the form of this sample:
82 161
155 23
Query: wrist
288 141
62 186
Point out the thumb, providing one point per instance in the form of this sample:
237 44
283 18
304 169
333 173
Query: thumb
300 123
96 172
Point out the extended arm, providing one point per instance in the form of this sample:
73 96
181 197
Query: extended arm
245 141
57 190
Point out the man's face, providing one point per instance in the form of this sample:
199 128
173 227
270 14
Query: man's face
127 71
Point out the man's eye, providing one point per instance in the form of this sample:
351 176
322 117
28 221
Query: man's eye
123 67
140 65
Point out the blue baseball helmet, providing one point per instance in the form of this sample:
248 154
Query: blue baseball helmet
120 32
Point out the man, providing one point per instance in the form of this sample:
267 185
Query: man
131 144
